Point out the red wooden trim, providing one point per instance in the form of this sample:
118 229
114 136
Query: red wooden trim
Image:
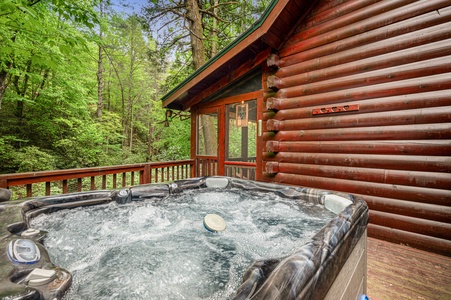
237 163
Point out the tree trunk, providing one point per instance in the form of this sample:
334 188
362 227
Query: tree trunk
4 75
214 34
196 32
198 49
3 85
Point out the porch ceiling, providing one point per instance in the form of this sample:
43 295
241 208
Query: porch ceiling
267 34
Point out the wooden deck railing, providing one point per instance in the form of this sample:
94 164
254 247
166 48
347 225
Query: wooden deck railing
76 180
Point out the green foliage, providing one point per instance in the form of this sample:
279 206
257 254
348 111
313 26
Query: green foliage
48 85
31 158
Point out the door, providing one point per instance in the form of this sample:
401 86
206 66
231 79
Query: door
206 149
241 139
225 139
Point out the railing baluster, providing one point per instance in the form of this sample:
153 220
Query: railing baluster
103 182
65 189
79 184
132 179
47 188
29 190
114 181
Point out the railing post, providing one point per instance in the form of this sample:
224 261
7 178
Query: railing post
145 178
193 168
3 183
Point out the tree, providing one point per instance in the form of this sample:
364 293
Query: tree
186 22
26 23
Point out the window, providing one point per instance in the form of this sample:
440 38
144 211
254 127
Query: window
241 132
207 134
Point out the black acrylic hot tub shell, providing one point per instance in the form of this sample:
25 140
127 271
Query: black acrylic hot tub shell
306 274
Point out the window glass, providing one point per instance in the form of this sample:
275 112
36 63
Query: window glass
241 133
207 134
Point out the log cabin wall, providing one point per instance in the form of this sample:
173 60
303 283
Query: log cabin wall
359 100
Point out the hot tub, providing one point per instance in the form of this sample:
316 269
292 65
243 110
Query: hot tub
329 263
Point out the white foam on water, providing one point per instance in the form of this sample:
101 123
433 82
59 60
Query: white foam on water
160 250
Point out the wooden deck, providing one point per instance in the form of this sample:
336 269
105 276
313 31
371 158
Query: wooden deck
401 272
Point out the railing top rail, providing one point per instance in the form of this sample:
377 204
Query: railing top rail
54 175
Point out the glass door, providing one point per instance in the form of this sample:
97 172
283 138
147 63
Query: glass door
241 139
207 143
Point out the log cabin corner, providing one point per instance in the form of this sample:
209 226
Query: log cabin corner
351 96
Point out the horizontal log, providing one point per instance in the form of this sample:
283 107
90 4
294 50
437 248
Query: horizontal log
434 180
396 88
326 6
322 13
407 132
398 73
431 244
401 207
368 24
382 14
416 31
408 193
396 147
389 162
416 225
345 64
346 120
399 102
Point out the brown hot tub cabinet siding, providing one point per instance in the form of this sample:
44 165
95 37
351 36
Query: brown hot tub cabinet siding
356 97
391 61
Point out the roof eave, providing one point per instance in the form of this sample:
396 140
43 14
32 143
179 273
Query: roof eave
254 33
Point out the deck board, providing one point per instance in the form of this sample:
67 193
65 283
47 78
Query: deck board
401 272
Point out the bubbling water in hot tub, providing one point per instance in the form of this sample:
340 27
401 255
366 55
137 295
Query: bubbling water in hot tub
159 249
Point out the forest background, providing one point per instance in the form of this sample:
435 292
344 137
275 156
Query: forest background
81 81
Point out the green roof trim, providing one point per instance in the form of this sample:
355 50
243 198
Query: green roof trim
230 46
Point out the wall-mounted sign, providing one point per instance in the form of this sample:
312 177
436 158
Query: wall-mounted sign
242 113
335 109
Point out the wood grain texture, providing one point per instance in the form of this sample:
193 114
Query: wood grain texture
399 272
